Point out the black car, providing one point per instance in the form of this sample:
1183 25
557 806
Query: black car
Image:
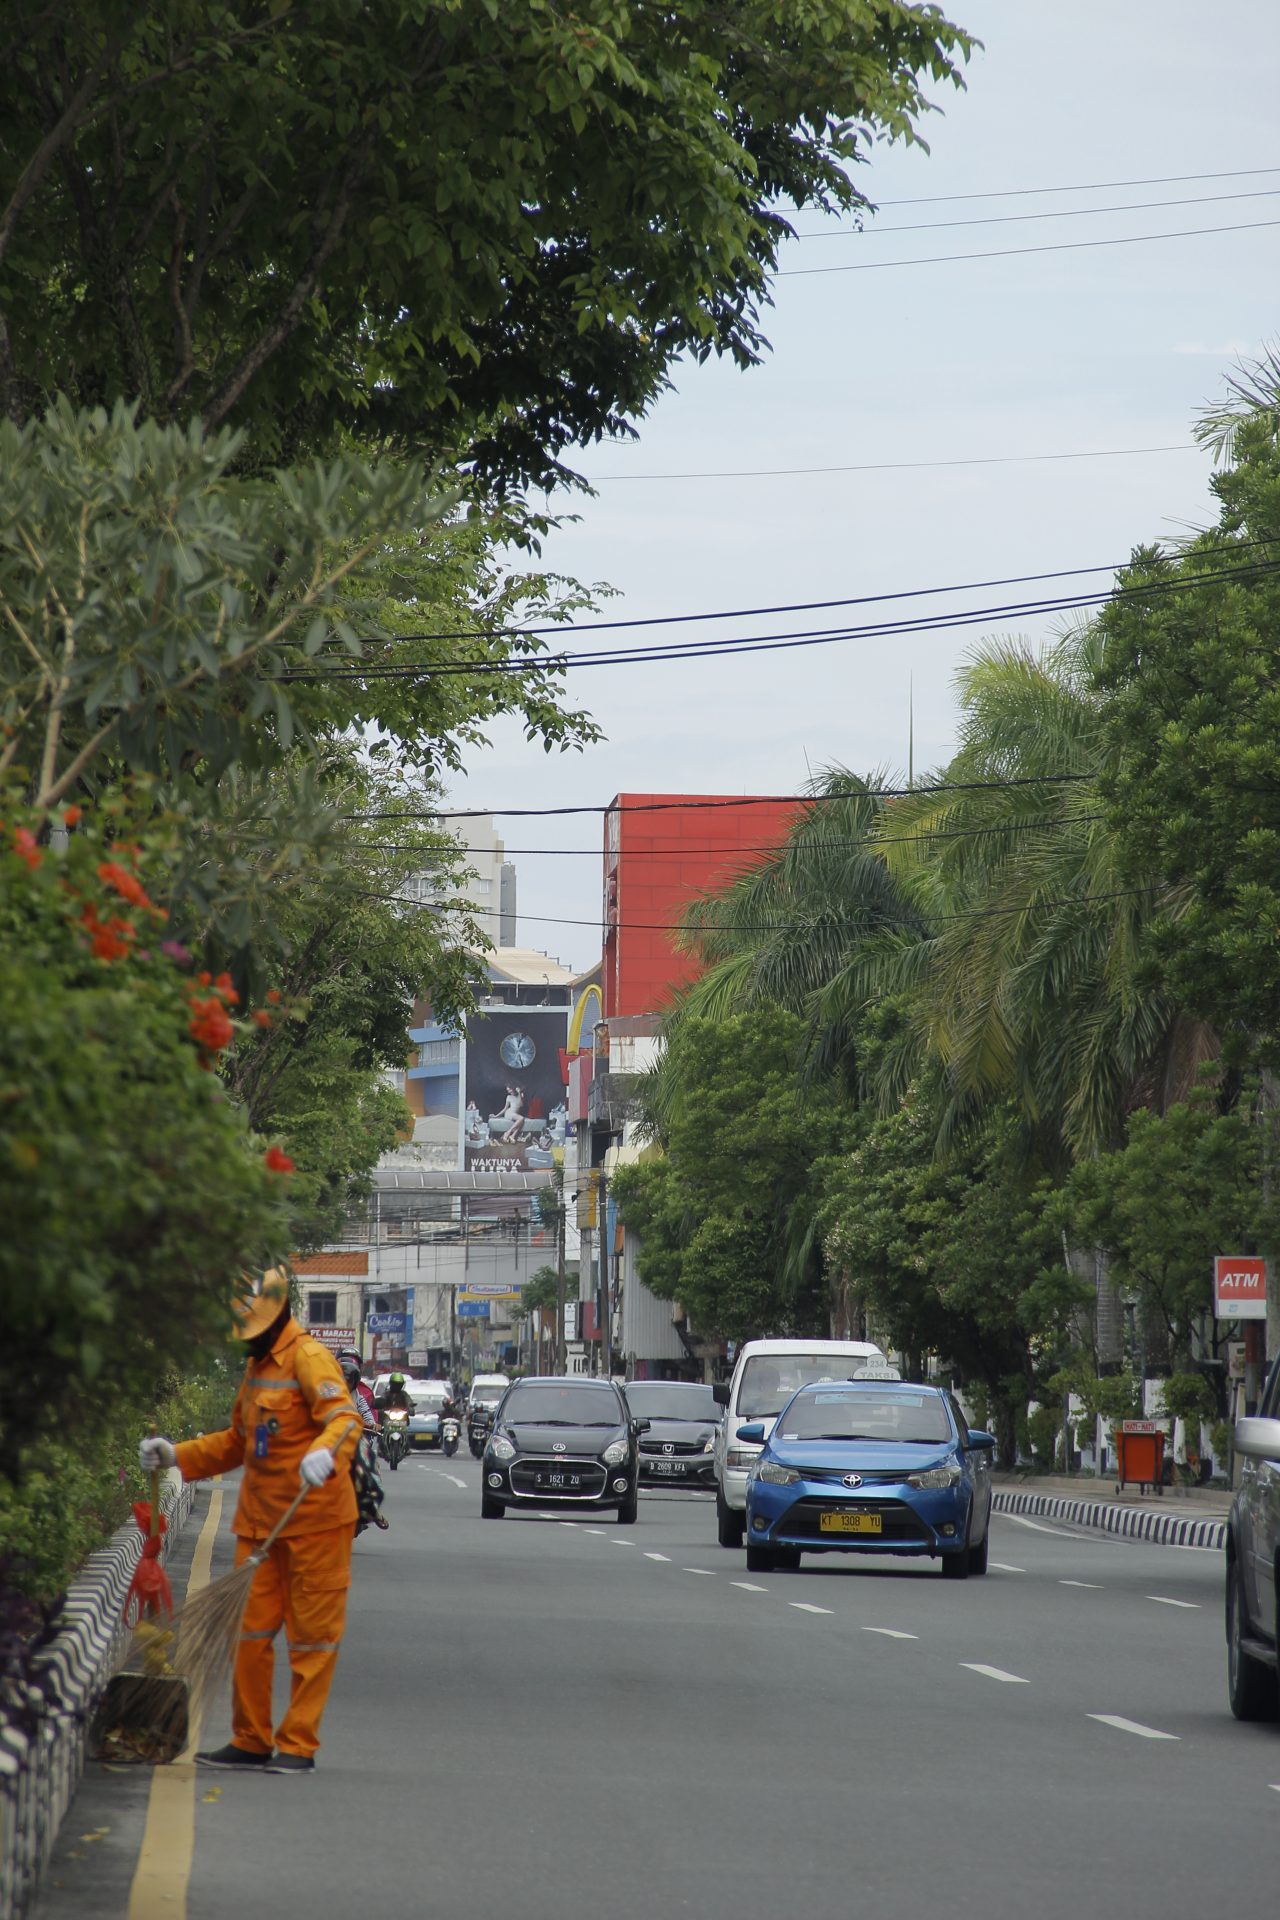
679 1448
562 1443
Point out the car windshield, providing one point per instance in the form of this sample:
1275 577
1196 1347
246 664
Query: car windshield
567 1406
426 1400
666 1401
770 1379
910 1419
486 1396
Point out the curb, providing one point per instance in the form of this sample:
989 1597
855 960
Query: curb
39 1772
1132 1523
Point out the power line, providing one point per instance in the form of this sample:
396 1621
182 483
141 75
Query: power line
1050 213
709 803
667 652
782 926
1008 253
1084 186
899 466
869 841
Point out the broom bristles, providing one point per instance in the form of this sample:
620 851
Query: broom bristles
208 1634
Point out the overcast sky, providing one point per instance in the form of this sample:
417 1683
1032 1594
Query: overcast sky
1039 353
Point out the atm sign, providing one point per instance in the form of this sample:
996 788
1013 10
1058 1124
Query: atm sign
1239 1286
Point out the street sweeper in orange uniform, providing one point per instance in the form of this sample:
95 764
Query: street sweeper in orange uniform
293 1425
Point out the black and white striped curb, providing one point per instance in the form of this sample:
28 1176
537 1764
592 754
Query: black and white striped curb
1132 1523
40 1770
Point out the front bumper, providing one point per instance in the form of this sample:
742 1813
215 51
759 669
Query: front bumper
904 1520
527 1482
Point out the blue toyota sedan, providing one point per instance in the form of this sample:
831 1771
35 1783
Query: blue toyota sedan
870 1466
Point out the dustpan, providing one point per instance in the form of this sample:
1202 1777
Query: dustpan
143 1718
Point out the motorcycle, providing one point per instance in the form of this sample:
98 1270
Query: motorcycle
478 1424
450 1434
394 1437
368 1487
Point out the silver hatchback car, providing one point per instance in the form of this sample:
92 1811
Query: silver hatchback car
1253 1564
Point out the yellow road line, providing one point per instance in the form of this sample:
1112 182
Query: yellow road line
163 1871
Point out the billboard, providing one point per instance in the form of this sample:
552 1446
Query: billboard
516 1111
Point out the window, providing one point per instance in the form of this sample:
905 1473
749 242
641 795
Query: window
322 1309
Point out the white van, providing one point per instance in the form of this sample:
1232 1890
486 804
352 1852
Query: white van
766 1375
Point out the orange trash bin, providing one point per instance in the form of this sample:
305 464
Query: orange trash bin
1140 1455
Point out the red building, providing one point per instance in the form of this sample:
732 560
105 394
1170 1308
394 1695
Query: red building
660 850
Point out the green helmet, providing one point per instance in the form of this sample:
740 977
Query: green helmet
397 1380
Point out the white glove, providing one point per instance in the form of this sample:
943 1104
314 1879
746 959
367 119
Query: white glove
315 1467
154 1453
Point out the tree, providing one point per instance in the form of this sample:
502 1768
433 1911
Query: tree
478 228
724 1220
955 1256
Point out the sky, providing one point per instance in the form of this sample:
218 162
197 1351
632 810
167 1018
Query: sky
1071 351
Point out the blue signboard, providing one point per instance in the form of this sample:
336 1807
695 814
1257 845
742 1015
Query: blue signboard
388 1322
473 1309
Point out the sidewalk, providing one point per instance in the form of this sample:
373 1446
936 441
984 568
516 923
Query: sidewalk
1180 1517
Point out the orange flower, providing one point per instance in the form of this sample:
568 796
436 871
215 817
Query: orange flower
126 884
276 1161
108 939
223 985
261 1017
210 1025
71 816
205 979
273 995
24 845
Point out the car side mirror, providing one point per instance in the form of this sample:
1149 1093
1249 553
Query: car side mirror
720 1393
753 1433
1258 1439
979 1442
641 1426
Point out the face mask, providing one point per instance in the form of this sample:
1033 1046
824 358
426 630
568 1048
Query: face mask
262 1343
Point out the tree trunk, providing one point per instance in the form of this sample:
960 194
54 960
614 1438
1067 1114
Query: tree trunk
1109 1315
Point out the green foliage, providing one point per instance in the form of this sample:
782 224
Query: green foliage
484 227
72 1498
539 1290
1193 720
131 1195
725 1219
1182 1188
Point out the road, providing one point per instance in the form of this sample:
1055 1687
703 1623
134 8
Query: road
566 1721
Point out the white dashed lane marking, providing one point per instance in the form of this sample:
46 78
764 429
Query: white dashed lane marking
1002 1566
995 1673
1036 1526
1091 1584
1132 1726
599 1530
704 1570
807 1606
892 1633
659 1556
1163 1600
624 1543
747 1586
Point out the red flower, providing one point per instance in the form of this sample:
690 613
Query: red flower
71 816
210 1025
277 1162
223 985
126 884
261 1017
24 845
108 939
205 979
273 995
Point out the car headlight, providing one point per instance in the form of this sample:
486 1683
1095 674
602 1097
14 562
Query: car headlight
501 1448
741 1457
711 1445
615 1453
935 1477
775 1475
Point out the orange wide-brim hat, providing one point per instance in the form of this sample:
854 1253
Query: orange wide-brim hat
256 1311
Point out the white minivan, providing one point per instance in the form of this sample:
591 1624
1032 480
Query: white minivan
766 1375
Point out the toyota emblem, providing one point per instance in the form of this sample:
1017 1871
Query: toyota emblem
851 1480
557 1446
667 1447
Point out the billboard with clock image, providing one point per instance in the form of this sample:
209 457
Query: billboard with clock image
516 1112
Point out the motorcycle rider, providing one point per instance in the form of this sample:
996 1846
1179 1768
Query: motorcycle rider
397 1395
369 1444
361 1391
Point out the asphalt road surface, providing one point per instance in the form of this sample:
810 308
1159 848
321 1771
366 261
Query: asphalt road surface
560 1720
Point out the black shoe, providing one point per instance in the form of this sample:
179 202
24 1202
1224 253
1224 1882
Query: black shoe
291 1763
232 1757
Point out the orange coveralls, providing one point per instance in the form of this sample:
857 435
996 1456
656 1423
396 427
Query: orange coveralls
290 1403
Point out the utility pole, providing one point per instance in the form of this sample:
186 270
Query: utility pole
559 1364
606 1316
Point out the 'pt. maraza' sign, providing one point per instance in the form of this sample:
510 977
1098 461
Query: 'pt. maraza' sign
1239 1286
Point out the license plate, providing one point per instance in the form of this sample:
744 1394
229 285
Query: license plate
849 1523
557 1480
667 1466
